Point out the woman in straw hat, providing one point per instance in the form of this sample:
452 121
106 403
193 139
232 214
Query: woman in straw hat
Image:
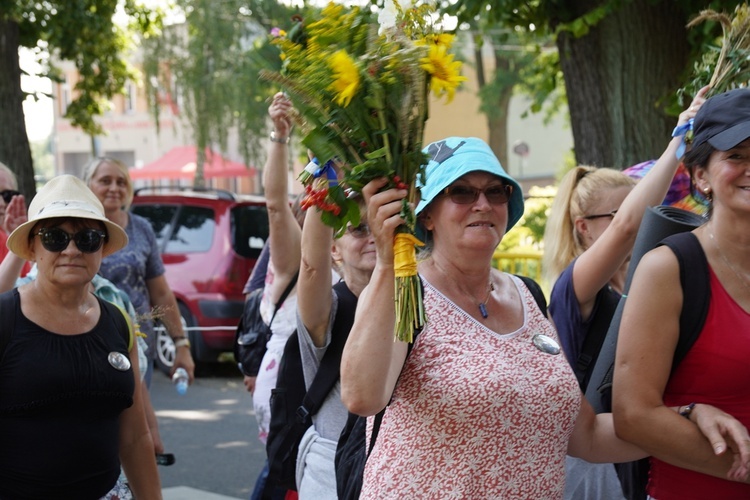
69 411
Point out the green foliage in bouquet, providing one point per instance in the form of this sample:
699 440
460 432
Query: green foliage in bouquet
725 64
361 90
362 95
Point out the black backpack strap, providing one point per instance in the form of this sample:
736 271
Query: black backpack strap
537 292
7 318
597 332
696 290
329 369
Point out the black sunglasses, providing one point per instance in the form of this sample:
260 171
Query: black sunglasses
361 231
498 194
8 194
87 240
599 216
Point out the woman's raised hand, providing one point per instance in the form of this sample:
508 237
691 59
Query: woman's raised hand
279 112
15 214
383 215
695 105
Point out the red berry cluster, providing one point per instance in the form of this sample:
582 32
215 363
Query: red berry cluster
319 198
398 183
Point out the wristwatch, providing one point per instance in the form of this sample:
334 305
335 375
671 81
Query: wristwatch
279 140
181 342
686 410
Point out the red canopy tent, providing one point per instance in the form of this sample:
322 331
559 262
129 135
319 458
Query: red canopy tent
179 163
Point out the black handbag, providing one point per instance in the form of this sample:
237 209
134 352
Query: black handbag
253 333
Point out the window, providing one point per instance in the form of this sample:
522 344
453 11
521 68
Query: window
160 217
194 231
130 97
65 96
249 230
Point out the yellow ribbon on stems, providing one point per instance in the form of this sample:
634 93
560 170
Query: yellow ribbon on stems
408 290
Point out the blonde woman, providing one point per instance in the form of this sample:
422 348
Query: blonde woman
137 269
589 238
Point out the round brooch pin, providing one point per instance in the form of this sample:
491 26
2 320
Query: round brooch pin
119 361
546 344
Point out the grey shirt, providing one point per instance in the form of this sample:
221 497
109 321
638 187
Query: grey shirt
331 418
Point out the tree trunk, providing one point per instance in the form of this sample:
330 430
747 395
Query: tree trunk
617 78
14 142
497 120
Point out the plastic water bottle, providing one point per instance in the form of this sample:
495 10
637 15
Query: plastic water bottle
180 380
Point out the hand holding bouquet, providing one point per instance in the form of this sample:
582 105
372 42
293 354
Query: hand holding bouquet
361 91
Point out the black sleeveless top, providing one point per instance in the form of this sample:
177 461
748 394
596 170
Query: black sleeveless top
60 402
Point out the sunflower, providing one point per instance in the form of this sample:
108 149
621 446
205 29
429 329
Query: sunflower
346 77
445 73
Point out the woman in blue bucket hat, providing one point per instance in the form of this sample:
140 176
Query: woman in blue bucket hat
483 405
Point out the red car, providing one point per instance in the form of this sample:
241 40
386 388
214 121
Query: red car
209 241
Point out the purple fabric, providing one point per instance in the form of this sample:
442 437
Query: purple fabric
130 268
566 314
678 190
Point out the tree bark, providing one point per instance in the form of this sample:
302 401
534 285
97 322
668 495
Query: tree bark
497 119
15 151
617 78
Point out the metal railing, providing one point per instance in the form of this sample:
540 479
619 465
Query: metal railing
525 263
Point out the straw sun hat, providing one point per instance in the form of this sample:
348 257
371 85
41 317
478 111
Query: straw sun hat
65 196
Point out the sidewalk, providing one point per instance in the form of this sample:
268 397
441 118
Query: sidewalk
186 493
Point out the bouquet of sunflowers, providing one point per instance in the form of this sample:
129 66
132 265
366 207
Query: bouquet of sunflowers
361 91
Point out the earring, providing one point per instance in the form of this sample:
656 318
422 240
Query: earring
707 192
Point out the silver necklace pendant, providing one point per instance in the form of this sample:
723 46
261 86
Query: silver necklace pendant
119 361
546 344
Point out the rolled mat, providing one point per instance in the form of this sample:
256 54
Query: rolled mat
658 223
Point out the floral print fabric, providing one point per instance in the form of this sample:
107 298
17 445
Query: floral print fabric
476 414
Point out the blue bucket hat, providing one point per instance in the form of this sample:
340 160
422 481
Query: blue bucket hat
455 157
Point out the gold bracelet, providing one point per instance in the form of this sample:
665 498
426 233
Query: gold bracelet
279 140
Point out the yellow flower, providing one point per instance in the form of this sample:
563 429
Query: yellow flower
445 39
445 73
346 77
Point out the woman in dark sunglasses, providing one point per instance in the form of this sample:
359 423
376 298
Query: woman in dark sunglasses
69 367
481 407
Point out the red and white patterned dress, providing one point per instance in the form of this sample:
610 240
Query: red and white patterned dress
476 414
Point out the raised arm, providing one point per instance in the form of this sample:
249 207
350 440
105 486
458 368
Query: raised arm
372 361
314 294
596 266
12 265
284 231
